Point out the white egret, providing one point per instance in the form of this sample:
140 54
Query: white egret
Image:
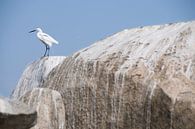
46 39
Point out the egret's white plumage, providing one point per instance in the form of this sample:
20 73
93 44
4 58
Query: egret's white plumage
45 38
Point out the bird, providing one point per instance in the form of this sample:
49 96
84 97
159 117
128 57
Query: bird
46 39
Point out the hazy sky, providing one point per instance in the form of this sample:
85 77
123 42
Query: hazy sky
75 24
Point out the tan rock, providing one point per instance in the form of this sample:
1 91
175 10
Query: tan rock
49 106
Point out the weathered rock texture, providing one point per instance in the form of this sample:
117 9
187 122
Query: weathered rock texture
35 75
142 78
49 106
16 115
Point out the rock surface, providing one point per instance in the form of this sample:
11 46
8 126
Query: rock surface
35 75
49 106
16 115
141 78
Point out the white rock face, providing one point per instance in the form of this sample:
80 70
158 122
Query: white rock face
147 45
5 106
35 74
49 106
14 107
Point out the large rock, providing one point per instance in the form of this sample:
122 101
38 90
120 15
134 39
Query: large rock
49 106
141 78
16 115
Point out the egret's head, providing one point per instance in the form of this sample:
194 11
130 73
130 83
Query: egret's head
37 29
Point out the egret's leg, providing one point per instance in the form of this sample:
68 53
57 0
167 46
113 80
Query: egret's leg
48 51
45 50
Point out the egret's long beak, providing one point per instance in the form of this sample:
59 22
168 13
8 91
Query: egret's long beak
32 31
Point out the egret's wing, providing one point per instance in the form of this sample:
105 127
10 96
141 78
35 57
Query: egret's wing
47 38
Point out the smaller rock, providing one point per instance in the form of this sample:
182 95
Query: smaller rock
49 106
16 115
